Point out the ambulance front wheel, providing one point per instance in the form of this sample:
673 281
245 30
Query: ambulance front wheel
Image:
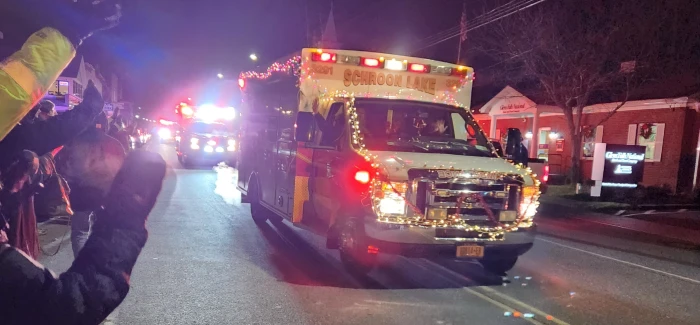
356 256
257 211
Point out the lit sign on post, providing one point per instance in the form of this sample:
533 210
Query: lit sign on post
617 166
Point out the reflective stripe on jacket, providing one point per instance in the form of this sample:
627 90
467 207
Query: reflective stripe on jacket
26 75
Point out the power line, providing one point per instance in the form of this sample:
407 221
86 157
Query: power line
493 13
486 20
482 23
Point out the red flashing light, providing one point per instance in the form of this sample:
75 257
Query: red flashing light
545 176
324 57
241 83
372 249
460 71
416 67
368 62
187 111
362 177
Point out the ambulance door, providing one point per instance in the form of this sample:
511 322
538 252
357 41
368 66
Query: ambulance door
326 175
268 163
284 164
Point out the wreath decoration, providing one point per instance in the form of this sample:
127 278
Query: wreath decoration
588 131
646 131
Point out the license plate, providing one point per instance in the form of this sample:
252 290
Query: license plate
470 251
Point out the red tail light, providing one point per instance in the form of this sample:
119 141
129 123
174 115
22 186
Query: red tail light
241 82
363 177
368 62
545 177
324 57
415 67
372 249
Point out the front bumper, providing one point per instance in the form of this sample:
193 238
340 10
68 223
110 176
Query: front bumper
423 242
201 155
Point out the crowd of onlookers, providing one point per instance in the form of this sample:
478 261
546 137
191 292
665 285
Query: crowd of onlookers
77 163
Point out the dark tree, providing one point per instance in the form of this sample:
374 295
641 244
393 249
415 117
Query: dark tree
579 53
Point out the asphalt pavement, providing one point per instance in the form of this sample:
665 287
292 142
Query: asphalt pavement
207 262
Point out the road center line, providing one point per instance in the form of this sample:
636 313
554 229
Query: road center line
470 290
488 290
680 277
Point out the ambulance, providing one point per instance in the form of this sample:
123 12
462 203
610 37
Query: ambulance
379 153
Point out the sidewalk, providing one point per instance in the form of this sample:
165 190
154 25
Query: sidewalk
559 208
57 233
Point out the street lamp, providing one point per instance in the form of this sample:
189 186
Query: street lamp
253 57
221 76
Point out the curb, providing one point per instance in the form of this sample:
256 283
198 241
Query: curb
554 210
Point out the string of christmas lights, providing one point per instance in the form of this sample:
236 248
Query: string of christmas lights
292 65
419 218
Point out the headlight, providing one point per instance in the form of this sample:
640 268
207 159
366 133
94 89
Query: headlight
194 141
165 133
231 145
529 204
389 201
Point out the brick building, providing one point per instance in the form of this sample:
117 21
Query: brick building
668 127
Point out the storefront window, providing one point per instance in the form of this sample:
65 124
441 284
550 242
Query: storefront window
591 136
646 136
77 89
650 135
59 88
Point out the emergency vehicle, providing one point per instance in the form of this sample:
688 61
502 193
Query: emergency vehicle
380 153
207 135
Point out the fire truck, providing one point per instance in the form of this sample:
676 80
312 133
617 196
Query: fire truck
379 153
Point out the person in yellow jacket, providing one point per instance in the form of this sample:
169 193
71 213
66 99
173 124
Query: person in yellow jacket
26 75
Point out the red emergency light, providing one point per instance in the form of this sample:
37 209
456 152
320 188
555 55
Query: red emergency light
187 111
417 67
460 71
362 177
324 57
369 62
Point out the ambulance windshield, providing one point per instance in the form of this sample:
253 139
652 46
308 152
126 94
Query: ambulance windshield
209 128
419 127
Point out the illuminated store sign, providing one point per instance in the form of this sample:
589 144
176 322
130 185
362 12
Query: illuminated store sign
617 166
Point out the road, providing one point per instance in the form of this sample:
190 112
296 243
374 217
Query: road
207 262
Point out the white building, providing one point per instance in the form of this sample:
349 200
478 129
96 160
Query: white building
69 87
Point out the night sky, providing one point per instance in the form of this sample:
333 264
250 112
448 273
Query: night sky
163 47
164 50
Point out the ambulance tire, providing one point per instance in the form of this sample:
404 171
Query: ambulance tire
353 251
257 210
186 162
499 265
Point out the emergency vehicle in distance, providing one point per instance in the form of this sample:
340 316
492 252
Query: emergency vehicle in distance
207 135
379 153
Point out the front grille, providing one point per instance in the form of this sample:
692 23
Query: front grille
466 194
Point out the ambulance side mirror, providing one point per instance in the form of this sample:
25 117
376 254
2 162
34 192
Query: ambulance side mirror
304 127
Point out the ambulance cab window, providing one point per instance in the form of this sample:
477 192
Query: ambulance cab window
392 125
333 126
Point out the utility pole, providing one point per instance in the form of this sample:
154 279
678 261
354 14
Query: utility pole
462 30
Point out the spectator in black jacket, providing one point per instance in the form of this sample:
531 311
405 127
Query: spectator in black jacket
98 280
